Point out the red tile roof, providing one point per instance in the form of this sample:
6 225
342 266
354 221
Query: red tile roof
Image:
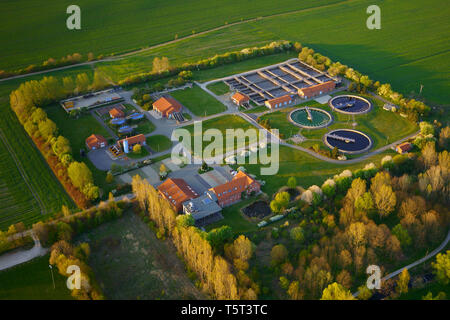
316 89
404 147
240 97
116 113
95 140
167 105
176 191
272 102
140 138
238 184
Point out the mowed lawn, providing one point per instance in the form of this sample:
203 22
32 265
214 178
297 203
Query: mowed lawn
33 281
383 127
129 262
159 143
222 123
307 169
198 101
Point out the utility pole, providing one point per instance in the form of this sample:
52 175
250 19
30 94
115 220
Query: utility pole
53 279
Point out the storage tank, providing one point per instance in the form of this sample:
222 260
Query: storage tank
125 146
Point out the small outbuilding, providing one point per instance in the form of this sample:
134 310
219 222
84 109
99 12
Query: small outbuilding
116 113
404 147
240 99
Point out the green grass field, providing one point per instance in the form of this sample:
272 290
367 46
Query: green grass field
219 88
159 143
198 101
382 126
112 27
222 123
33 280
17 202
129 262
403 54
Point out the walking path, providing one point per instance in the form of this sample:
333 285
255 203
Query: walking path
417 262
12 259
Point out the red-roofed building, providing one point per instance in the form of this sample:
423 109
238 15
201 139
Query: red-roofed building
316 90
231 192
279 102
96 141
404 147
176 191
116 113
166 106
239 98
131 142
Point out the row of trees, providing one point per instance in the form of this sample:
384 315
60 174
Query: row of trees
162 68
68 225
10 239
51 63
76 177
199 249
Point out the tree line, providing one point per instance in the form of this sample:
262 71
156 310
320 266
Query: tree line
51 63
222 277
26 101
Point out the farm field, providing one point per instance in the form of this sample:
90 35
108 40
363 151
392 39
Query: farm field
403 54
129 262
33 280
198 101
18 203
117 26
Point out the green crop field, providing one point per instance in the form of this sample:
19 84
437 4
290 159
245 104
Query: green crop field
159 143
18 204
116 26
198 101
33 280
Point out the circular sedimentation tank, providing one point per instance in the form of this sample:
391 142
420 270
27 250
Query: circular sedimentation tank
311 118
350 104
348 141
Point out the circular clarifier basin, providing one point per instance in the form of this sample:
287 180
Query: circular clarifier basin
311 118
348 141
350 104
